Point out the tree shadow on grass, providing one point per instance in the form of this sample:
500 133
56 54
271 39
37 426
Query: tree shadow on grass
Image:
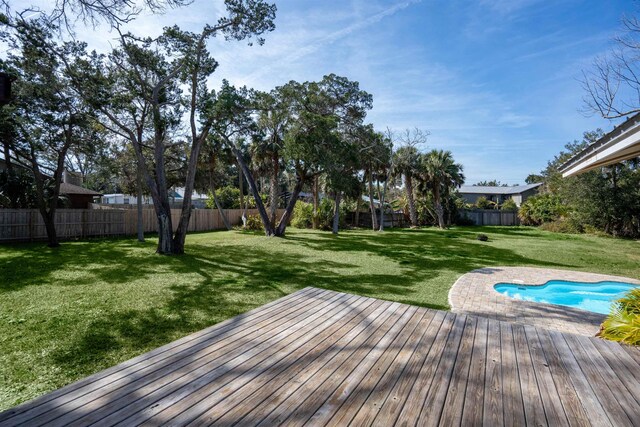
230 281
452 250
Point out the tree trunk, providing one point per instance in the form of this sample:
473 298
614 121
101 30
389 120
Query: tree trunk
185 215
241 187
223 215
336 212
356 219
49 213
282 226
315 203
382 195
165 234
374 222
438 206
273 191
140 224
50 227
268 229
408 183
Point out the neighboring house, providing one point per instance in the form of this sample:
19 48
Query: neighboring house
175 199
79 197
123 199
519 193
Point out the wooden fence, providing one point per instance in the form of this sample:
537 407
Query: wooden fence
27 224
491 217
391 219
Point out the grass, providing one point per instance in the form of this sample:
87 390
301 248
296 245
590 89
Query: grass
69 312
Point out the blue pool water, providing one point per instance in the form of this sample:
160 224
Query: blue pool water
596 297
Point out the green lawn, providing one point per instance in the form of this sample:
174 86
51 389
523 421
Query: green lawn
69 312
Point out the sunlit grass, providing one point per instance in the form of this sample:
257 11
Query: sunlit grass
69 312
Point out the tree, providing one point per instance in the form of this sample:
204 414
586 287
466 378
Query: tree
340 172
114 12
405 164
384 166
45 120
492 183
375 153
612 84
534 178
606 199
273 118
213 170
232 121
441 174
152 74
323 114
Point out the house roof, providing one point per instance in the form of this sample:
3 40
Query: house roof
622 143
66 188
484 189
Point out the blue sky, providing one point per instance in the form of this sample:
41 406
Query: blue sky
495 82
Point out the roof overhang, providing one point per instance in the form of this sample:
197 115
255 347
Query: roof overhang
622 143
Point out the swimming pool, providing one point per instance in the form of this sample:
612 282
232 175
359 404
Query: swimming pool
596 297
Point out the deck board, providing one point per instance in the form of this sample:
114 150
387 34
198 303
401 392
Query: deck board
319 357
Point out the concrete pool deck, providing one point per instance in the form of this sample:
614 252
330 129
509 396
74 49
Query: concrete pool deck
473 293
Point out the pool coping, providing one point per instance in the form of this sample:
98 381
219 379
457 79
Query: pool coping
473 293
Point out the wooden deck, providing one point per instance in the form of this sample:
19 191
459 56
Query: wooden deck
325 358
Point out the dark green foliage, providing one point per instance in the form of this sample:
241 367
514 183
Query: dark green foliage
492 183
484 203
463 220
228 197
606 199
541 208
302 215
254 223
509 205
17 190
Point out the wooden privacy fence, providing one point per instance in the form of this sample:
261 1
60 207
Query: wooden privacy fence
491 217
27 224
391 219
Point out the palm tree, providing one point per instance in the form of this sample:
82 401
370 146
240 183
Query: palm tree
441 173
405 164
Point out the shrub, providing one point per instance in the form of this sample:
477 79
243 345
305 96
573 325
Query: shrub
484 203
228 197
540 209
509 205
302 216
254 223
325 214
463 220
623 324
563 225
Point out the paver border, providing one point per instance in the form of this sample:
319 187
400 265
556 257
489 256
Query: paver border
473 293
